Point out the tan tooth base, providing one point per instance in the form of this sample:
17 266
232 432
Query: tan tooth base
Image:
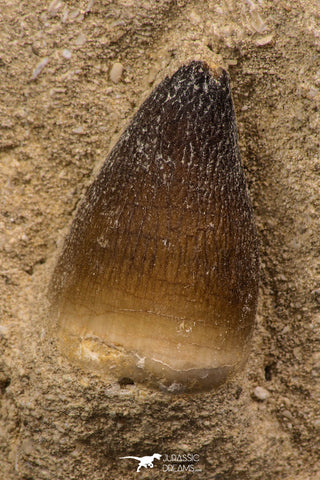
177 355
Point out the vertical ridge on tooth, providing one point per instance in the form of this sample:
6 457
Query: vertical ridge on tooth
161 260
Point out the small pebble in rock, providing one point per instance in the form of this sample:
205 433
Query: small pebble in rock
89 6
66 53
287 414
116 72
54 7
316 423
261 394
78 130
3 330
80 40
257 22
265 40
73 14
40 66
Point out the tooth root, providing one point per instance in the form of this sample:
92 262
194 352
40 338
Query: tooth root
158 277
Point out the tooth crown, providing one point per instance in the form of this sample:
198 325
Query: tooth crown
161 262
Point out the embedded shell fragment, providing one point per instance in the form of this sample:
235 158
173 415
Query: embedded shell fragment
158 277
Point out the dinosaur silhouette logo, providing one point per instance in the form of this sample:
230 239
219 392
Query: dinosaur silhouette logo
146 461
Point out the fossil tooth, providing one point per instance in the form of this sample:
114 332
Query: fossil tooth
158 277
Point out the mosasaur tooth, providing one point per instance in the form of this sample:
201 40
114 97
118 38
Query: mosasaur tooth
158 277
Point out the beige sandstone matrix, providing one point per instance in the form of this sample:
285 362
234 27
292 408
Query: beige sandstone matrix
158 277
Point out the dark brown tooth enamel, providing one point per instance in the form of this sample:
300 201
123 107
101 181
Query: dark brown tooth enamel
158 277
